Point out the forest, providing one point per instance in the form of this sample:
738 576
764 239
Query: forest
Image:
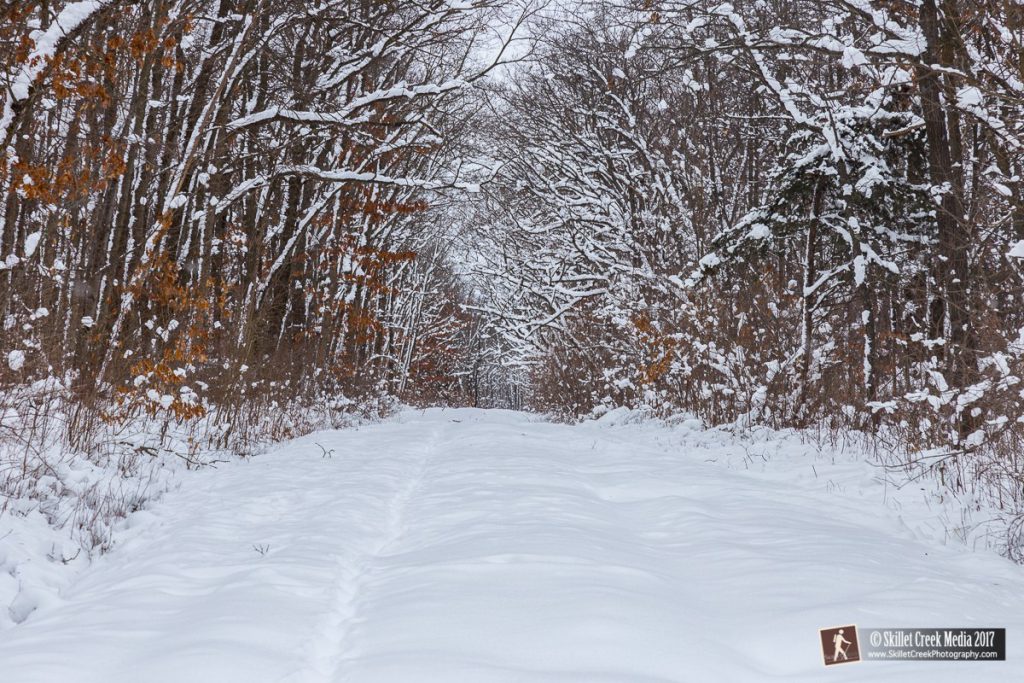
243 220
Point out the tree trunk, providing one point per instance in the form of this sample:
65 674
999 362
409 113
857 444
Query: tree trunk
953 276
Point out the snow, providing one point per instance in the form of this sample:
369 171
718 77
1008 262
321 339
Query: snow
31 243
480 546
852 57
969 98
346 114
16 359
759 231
710 261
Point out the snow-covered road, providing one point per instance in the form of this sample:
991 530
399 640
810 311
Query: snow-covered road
477 547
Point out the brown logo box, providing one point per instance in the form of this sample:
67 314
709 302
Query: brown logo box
839 645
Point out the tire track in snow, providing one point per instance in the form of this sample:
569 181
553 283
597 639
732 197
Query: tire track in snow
332 646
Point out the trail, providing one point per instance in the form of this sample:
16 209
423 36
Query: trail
488 546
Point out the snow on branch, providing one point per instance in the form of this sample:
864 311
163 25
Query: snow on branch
47 44
344 116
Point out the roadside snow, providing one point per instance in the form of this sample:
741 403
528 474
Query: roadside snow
487 546
66 510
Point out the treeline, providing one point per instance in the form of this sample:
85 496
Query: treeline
794 213
788 213
237 205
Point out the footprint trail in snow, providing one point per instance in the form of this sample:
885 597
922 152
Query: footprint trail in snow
489 547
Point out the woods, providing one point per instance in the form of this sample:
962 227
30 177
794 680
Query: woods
794 214
222 204
791 211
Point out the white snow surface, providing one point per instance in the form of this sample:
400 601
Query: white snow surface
490 546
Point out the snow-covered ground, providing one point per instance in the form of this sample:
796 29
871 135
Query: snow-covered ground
489 546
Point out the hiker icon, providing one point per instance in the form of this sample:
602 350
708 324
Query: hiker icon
839 645
839 641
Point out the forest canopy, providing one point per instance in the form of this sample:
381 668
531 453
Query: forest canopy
784 213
